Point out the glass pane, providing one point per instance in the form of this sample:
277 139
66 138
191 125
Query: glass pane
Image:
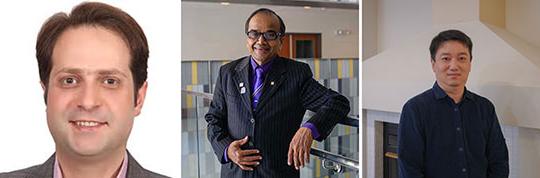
190 152
304 49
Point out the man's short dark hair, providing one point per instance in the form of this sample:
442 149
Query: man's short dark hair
99 15
268 11
449 35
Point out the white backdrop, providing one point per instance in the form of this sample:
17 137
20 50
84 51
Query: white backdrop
24 137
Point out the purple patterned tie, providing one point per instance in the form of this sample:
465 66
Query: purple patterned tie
258 86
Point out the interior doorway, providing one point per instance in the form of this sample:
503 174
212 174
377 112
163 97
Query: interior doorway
301 45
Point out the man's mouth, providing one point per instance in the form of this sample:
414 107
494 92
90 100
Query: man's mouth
87 124
261 48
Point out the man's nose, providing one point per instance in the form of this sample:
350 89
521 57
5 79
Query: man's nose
261 39
454 64
89 97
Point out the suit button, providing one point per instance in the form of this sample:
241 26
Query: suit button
252 120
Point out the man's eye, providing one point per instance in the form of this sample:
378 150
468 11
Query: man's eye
271 35
253 34
110 81
69 81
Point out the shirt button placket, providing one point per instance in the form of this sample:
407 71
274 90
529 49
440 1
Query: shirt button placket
460 145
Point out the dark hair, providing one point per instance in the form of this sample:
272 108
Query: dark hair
265 10
449 35
94 14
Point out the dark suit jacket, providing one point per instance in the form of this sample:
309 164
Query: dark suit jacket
46 170
289 89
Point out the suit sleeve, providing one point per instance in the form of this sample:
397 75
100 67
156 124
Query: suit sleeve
410 143
218 132
497 152
328 105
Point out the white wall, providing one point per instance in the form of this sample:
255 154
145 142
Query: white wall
456 11
369 28
24 136
522 19
398 23
214 31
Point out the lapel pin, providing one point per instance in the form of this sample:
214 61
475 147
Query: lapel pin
272 83
242 90
241 84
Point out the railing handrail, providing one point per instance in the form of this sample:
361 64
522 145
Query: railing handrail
348 162
350 121
198 93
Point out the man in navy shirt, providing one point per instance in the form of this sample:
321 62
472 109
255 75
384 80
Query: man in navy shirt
448 131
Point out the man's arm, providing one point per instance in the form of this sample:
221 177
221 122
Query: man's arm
410 143
328 105
497 152
218 133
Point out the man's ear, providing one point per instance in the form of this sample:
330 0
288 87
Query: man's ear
281 39
432 64
141 94
44 87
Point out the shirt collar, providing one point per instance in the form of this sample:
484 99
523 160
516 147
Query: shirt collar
265 66
440 93
121 174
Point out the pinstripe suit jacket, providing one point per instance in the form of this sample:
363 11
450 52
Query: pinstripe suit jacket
289 89
46 170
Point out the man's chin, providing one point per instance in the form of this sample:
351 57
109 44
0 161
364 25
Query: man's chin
455 84
260 58
87 149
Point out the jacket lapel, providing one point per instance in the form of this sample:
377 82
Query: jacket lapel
241 80
273 80
44 170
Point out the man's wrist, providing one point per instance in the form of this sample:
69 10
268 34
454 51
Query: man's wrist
226 154
314 132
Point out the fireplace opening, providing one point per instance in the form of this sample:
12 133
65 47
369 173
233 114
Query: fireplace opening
390 145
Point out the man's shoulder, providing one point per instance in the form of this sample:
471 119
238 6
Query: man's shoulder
480 100
229 66
294 63
42 170
23 173
150 174
422 98
136 170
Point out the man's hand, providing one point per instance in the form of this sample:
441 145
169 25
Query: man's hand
299 148
246 159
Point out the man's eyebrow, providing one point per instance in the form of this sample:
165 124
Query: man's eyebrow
256 30
69 70
444 53
112 72
99 72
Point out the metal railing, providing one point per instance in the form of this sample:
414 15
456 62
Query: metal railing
330 161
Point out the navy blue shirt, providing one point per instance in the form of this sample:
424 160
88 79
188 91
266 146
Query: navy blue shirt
439 138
